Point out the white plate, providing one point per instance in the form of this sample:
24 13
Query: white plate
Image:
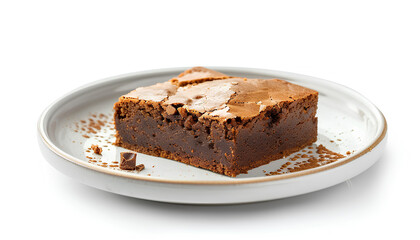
350 120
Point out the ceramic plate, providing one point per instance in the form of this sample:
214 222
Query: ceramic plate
347 123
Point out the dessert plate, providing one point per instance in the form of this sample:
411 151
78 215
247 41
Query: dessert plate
348 123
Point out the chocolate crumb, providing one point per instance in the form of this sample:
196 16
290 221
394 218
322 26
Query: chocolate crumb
139 167
96 149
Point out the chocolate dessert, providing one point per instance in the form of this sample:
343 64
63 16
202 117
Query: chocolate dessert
221 123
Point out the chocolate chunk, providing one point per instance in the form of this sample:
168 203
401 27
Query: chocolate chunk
128 161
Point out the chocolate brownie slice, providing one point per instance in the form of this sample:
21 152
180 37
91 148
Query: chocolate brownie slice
225 124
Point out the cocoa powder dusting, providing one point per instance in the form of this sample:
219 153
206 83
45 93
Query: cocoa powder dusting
308 161
91 126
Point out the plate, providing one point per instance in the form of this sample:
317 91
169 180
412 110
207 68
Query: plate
348 123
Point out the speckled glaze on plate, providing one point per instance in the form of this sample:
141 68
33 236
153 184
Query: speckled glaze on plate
348 122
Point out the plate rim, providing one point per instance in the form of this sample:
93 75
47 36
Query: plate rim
232 181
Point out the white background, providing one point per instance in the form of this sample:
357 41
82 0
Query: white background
51 47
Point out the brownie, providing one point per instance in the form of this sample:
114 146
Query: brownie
221 123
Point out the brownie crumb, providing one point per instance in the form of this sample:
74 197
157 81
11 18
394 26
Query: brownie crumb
128 161
96 149
139 167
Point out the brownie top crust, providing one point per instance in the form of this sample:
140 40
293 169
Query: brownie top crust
216 95
156 93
